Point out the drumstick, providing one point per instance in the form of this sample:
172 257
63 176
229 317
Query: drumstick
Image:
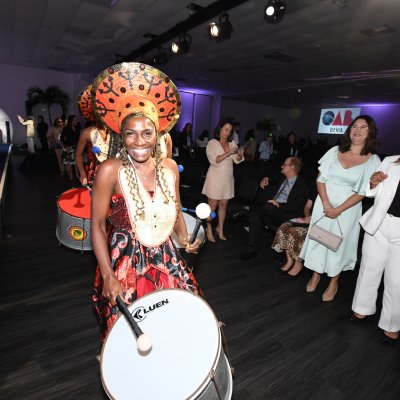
203 211
212 215
143 339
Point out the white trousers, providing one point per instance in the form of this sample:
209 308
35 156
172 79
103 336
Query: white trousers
31 144
380 255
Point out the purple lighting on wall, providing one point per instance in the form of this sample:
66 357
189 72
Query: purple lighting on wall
197 91
375 105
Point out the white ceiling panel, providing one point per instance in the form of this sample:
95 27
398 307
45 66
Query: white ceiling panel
86 36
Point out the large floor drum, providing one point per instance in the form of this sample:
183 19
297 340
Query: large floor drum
186 351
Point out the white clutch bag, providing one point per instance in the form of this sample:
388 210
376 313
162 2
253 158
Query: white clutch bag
326 238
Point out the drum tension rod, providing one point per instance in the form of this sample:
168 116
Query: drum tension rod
225 345
211 374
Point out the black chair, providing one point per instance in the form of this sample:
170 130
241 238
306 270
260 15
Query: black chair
239 206
191 190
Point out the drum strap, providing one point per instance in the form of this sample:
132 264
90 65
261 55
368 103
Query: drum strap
156 280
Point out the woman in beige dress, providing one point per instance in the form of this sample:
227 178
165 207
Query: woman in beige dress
219 184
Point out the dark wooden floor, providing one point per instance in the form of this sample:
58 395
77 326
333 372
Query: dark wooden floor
283 342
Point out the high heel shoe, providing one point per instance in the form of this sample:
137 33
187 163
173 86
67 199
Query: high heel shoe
327 297
220 235
286 267
210 236
389 337
310 286
295 270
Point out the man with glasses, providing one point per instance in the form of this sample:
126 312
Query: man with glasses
290 196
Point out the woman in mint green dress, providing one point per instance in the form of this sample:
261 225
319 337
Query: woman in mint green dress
344 172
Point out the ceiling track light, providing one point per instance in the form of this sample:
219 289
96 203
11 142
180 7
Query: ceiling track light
182 45
274 11
222 30
194 8
161 57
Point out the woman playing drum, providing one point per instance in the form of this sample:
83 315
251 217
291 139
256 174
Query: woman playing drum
101 143
137 255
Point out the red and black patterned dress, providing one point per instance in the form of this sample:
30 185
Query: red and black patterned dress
139 268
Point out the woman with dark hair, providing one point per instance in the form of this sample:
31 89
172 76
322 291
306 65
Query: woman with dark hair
250 145
343 174
381 250
69 139
137 255
186 147
41 129
222 152
202 140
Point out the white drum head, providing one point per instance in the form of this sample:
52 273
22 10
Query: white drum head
186 345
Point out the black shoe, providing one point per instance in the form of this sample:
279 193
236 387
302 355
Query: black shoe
387 340
355 320
249 254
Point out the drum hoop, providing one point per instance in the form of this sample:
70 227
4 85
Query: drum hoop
203 384
71 215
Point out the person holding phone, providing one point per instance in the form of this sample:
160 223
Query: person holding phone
222 153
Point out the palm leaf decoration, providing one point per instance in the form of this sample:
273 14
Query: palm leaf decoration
268 125
50 96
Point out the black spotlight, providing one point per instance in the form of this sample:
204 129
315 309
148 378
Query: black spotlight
221 30
161 57
274 11
182 45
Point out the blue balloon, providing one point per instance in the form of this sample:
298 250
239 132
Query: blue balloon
213 214
96 149
180 168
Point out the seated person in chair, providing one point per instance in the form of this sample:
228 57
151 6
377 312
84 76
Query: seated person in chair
291 235
290 195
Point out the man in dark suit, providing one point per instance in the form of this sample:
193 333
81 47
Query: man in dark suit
288 201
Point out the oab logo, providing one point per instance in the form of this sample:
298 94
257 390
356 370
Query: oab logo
140 313
336 120
329 118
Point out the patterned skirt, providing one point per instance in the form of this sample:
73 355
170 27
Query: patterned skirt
290 238
140 270
68 155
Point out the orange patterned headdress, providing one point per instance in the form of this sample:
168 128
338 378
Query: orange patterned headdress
85 103
139 89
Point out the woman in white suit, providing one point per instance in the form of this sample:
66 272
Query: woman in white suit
381 249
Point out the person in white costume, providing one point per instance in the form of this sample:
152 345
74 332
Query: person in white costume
381 249
30 131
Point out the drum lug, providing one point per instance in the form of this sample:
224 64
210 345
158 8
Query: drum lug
211 374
